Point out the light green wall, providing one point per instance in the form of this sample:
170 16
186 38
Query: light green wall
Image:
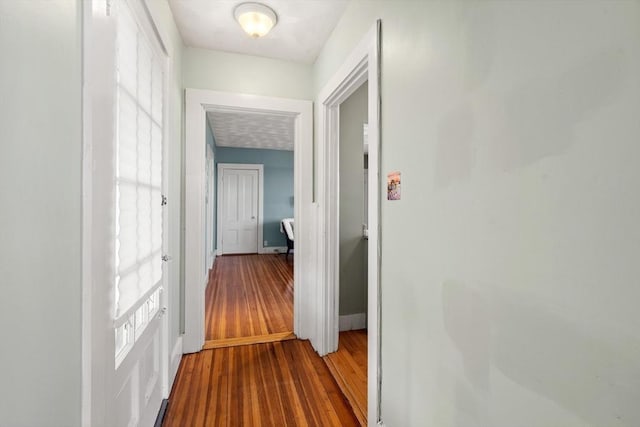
232 72
509 268
353 248
40 219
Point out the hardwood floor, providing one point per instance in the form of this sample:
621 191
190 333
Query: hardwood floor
249 296
348 366
275 384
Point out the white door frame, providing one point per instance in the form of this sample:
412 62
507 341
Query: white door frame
362 65
197 103
257 167
211 184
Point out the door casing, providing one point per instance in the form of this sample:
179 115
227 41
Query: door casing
362 65
197 103
211 194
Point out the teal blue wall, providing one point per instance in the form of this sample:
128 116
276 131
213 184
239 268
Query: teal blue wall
278 185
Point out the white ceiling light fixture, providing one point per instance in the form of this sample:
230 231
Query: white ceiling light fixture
256 19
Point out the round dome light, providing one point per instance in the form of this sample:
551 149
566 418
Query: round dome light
256 19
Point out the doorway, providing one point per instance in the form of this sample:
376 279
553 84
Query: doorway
362 65
197 103
126 372
249 297
348 364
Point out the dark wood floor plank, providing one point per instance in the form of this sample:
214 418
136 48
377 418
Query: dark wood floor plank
348 366
274 384
249 295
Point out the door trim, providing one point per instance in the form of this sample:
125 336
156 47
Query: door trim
197 103
246 166
211 195
362 65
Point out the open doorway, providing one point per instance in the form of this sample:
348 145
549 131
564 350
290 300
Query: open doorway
360 67
199 105
349 363
250 293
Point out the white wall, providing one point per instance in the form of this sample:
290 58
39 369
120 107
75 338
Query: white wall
232 72
40 214
510 266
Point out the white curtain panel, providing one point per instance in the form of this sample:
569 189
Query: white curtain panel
138 237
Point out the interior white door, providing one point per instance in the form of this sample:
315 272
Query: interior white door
239 211
135 390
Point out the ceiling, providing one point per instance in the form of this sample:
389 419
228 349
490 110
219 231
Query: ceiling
252 129
302 29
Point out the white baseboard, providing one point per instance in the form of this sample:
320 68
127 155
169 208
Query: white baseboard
273 250
263 250
352 322
174 364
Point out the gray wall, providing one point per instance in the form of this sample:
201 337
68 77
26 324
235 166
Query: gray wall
353 248
510 266
40 219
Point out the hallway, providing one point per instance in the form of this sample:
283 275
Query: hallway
249 296
275 384
275 380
